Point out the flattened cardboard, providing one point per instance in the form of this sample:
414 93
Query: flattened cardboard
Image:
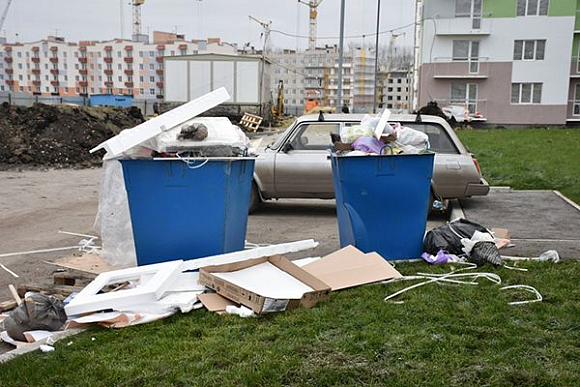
214 302
502 233
256 302
349 267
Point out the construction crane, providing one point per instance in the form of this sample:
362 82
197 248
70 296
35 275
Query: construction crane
3 18
137 16
313 5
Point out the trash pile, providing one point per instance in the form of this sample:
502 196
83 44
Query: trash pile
375 135
248 283
59 135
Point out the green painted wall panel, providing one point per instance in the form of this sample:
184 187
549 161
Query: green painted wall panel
507 8
499 8
562 8
575 43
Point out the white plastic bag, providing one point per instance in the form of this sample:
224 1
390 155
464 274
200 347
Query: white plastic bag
349 134
410 136
220 132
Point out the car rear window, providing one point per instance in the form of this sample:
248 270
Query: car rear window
438 138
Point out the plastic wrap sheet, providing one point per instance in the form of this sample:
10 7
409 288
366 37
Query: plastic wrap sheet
113 220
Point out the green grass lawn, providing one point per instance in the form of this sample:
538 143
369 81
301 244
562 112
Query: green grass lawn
442 335
528 158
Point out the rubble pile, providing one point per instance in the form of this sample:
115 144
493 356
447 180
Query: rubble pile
59 135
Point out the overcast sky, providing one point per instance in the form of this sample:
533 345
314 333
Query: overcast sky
32 20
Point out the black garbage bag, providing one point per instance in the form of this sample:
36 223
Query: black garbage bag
37 312
449 237
483 252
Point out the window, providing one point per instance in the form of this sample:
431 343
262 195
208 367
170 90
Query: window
529 49
151 79
120 78
140 54
532 7
526 93
467 50
464 94
141 66
151 54
151 67
152 91
314 136
576 108
119 66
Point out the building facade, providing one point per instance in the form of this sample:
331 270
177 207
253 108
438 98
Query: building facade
394 90
314 73
55 67
513 61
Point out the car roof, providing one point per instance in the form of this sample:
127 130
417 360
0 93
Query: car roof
359 117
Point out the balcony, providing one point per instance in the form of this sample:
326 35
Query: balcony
53 59
10 82
35 59
83 59
128 48
54 83
182 47
7 48
83 71
108 72
36 83
447 68
159 59
35 48
8 59
36 71
9 70
108 48
129 72
54 48
108 83
129 84
54 71
159 85
108 59
83 48
83 83
161 46
159 72
128 59
463 26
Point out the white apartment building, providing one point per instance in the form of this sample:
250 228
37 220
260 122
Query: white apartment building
513 61
394 90
315 72
55 67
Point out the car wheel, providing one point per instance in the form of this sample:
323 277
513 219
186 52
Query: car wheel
255 199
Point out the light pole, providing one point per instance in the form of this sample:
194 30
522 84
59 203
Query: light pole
340 56
377 57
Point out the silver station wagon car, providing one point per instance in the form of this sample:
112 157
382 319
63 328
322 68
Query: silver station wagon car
297 164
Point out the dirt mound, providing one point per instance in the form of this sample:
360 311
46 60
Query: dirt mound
59 135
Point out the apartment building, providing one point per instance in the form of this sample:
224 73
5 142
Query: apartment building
394 90
315 73
513 61
55 67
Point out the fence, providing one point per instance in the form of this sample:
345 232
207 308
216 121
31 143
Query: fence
22 99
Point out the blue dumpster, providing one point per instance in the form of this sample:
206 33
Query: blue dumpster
382 202
185 210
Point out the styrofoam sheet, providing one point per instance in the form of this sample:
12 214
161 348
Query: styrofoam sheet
267 280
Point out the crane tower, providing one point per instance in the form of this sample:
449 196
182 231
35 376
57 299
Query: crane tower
313 5
137 16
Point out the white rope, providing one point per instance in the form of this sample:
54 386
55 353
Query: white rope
527 288
9 271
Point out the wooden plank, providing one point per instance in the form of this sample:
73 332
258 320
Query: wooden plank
7 305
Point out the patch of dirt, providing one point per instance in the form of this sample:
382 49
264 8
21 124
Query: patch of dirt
59 135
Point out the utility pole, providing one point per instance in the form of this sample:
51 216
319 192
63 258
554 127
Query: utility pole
377 56
340 57
266 27
417 53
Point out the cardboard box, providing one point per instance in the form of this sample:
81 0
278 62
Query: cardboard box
258 302
350 267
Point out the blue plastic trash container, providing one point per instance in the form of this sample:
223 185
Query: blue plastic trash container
382 202
184 211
